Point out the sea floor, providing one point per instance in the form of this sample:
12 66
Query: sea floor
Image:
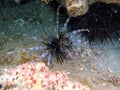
96 66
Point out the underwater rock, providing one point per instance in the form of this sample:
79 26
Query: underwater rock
75 7
21 1
5 2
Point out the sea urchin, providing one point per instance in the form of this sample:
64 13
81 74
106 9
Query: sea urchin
57 47
103 22
56 43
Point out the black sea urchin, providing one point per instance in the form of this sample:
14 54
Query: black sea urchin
56 43
103 22
57 47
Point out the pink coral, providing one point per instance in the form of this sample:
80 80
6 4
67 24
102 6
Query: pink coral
37 76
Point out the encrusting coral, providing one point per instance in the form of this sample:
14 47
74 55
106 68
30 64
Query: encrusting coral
37 76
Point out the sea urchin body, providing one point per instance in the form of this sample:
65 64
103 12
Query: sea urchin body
103 22
57 47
